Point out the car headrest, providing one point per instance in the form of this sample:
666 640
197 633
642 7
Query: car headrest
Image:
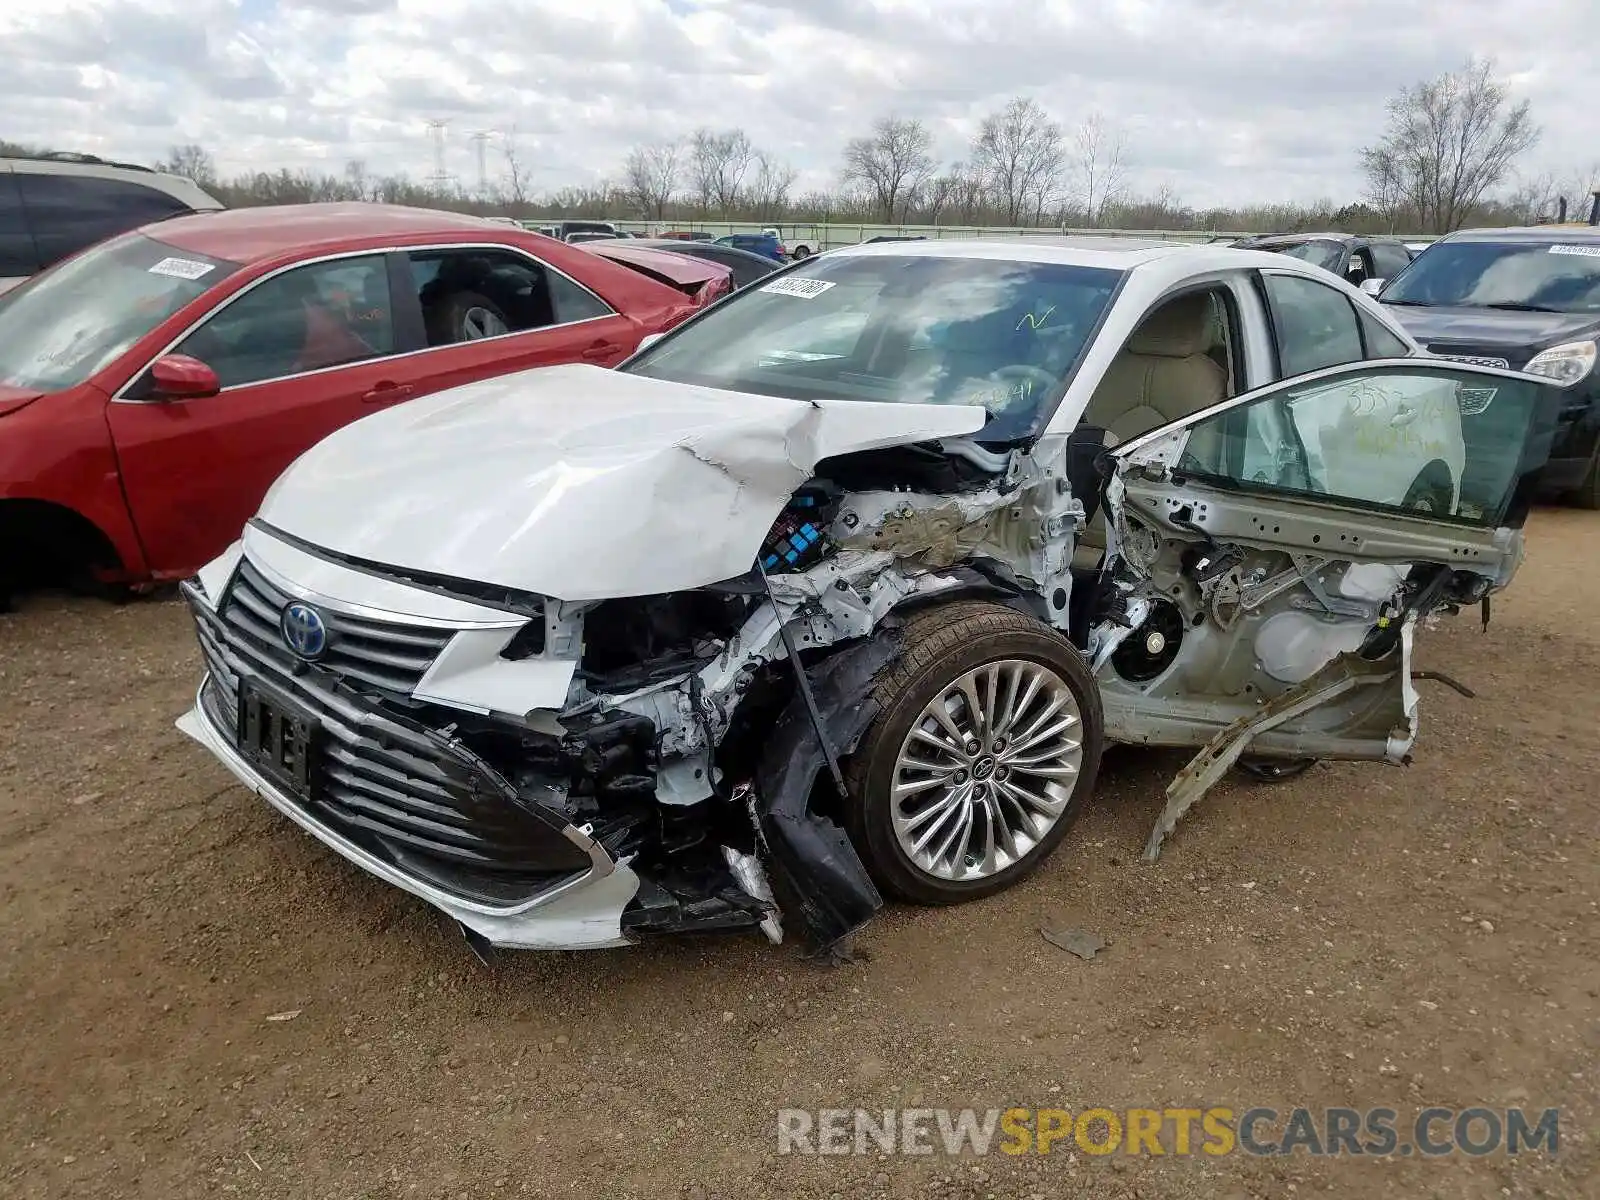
1180 328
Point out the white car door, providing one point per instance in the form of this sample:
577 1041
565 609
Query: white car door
1269 557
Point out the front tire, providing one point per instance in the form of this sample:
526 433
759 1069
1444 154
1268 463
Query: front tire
1588 493
800 253
1432 492
986 746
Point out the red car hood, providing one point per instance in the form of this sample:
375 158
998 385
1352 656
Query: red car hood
705 281
13 398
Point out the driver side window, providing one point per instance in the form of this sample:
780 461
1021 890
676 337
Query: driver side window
1315 325
1439 441
310 318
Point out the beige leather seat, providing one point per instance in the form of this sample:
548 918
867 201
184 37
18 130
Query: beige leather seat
1162 374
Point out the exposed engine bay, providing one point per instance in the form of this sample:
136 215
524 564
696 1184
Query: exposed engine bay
704 729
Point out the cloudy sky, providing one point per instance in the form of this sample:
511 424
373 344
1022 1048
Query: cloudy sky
1229 101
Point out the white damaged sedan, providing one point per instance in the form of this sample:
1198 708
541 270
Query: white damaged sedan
840 588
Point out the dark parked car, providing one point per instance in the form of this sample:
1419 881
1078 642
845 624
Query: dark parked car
746 267
1522 298
53 205
763 244
1349 256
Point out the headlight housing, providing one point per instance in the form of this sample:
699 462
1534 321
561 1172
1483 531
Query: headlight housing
1565 364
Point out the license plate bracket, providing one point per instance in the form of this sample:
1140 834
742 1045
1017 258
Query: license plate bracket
278 738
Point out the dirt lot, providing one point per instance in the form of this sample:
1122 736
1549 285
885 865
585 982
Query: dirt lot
1361 936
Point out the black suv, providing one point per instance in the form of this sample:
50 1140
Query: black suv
1350 256
1524 298
55 204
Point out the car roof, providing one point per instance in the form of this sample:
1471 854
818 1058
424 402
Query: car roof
1295 239
1119 253
680 268
1528 233
186 191
249 234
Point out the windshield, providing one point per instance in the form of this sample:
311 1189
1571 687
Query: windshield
64 325
1003 335
1323 254
1557 276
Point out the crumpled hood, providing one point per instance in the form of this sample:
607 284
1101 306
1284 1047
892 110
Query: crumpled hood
579 482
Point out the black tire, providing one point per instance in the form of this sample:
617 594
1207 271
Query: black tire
801 252
1274 770
1587 494
1431 491
447 319
941 645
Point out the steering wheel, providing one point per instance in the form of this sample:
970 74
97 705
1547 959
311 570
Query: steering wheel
1038 381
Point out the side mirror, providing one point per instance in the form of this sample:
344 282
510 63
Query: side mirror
1373 286
648 340
180 377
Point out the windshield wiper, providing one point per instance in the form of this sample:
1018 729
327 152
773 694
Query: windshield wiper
1410 303
1512 306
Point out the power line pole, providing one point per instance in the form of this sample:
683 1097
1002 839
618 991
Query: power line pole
482 139
441 177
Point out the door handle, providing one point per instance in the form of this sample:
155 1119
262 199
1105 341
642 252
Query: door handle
601 350
385 392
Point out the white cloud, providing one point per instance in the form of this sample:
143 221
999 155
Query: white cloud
1226 100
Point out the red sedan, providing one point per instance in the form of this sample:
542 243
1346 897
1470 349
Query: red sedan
153 386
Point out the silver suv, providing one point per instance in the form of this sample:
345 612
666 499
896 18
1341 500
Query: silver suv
56 204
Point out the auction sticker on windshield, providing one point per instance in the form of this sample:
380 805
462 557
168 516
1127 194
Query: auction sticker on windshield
804 289
1585 251
181 268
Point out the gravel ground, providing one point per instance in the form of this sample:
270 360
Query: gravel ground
1359 936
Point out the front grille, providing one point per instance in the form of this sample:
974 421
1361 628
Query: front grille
380 654
1477 356
412 796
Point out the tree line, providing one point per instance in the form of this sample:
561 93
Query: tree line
1446 159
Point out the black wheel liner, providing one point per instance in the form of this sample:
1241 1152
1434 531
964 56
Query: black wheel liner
818 878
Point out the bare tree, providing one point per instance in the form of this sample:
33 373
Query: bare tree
518 174
769 194
1449 141
193 162
1102 176
717 166
891 164
650 176
1021 154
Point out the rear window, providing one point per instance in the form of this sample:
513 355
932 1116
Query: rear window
75 319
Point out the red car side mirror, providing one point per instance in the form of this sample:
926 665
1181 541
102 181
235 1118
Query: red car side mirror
179 377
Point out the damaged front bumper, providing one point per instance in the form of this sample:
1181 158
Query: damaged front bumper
580 913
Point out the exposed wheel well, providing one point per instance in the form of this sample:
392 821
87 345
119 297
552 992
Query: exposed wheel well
45 543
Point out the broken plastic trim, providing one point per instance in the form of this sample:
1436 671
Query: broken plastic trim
817 876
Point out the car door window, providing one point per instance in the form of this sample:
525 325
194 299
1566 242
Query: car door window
1390 258
1380 341
474 293
1315 325
310 318
69 212
1426 439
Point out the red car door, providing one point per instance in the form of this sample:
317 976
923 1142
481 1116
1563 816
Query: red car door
298 355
